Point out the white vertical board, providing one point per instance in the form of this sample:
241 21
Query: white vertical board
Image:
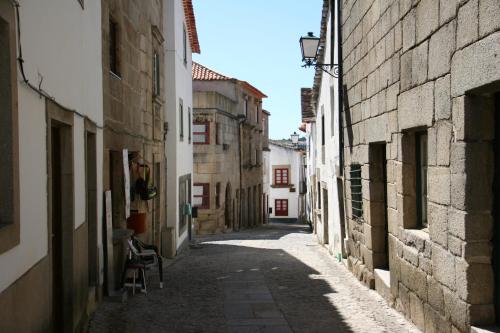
126 182
109 242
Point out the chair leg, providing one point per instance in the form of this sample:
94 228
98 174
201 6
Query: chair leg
160 269
133 282
144 281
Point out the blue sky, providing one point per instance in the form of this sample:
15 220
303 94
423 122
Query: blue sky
258 41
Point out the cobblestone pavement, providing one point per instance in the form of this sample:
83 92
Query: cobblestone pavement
275 278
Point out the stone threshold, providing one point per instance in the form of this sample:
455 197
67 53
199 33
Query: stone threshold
383 283
489 329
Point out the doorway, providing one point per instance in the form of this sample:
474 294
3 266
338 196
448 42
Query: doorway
91 209
228 207
378 206
281 207
325 216
61 224
496 210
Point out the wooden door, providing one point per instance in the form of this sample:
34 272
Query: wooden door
281 207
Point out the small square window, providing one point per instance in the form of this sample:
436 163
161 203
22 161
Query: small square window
201 195
201 133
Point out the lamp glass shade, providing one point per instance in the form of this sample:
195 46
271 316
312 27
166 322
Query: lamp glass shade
309 47
295 138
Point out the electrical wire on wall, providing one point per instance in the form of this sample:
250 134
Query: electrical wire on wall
38 89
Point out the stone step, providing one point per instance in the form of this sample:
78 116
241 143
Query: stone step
383 284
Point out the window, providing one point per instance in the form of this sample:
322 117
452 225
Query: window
356 191
421 174
281 176
414 172
184 45
319 195
322 126
113 47
217 195
201 133
189 125
218 140
181 120
156 74
9 177
245 106
201 195
281 207
257 114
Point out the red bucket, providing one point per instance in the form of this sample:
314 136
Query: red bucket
137 222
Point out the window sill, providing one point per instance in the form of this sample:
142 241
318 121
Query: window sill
9 236
282 186
419 233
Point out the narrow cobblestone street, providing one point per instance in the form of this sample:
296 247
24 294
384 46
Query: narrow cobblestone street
254 281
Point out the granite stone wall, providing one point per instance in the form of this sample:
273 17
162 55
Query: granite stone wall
431 67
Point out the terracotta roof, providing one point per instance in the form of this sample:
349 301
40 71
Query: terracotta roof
191 25
306 104
202 73
254 90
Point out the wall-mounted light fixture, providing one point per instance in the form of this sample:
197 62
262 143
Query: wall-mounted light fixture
310 47
295 138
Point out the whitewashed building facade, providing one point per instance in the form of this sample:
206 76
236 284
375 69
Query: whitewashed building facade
51 132
181 41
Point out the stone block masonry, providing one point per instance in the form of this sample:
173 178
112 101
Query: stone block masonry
420 78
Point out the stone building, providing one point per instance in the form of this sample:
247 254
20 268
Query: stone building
134 98
227 138
421 81
51 136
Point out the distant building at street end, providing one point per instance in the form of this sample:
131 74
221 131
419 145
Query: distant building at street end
229 131
288 187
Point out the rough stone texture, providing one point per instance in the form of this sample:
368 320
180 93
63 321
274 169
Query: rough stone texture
443 266
409 30
419 64
271 279
467 26
439 186
476 65
442 99
427 18
441 48
438 224
489 13
447 10
416 107
445 63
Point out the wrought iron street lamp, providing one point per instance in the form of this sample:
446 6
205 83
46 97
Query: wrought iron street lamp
295 138
310 46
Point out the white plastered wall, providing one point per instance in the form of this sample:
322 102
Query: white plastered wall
285 156
64 50
179 85
328 104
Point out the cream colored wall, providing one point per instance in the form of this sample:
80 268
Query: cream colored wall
64 50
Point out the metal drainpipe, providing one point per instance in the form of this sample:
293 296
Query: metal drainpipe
240 123
341 132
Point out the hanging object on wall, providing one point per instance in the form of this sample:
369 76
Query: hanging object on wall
144 184
126 182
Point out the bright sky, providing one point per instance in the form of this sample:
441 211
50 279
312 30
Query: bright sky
258 41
